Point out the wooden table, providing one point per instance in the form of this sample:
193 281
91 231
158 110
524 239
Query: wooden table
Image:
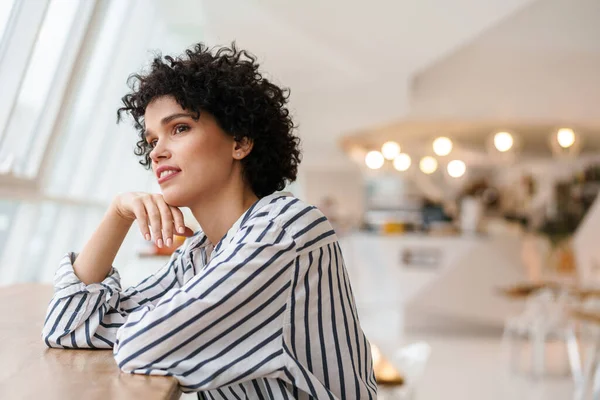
524 290
585 315
30 370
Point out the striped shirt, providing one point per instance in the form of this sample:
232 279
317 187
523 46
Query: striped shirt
266 313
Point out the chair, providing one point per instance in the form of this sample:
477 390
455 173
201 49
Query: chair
410 361
545 317
590 337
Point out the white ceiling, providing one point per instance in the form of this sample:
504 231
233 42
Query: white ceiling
348 63
558 26
530 74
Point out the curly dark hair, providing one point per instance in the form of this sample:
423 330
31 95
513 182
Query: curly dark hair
226 83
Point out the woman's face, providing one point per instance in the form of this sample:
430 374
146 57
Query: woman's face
198 155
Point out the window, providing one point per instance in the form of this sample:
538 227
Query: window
85 137
8 210
6 7
63 66
41 83
36 85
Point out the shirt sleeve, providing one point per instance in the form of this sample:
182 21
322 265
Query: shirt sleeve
88 316
225 325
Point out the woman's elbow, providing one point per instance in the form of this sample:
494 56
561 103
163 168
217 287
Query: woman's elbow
51 338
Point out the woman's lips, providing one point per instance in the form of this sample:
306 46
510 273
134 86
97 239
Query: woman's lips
167 177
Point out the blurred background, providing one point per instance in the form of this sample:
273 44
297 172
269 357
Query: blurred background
454 145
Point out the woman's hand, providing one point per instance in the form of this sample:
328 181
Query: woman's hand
153 214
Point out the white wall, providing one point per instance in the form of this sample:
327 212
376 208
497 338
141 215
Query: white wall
343 185
585 245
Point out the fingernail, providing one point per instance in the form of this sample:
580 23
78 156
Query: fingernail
181 229
159 243
169 242
148 236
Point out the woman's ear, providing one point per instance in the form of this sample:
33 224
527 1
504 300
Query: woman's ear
242 147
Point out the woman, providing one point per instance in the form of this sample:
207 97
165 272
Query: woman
257 304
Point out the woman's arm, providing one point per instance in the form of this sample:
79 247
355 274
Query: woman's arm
225 325
88 305
88 316
95 260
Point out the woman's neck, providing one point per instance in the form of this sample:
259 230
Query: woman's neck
217 214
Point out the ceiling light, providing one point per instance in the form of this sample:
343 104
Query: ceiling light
402 162
374 160
503 141
456 168
428 165
442 146
565 137
390 150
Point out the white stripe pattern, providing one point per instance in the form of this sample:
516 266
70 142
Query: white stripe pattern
267 313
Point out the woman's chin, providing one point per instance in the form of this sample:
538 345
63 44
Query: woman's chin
174 200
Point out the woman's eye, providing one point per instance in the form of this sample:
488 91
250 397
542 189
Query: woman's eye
181 128
153 143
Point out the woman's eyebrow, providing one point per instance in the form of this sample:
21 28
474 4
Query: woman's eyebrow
171 117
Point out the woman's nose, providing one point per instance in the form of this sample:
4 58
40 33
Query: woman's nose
159 151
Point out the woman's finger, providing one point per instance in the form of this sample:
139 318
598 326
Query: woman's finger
155 219
178 220
188 232
166 220
142 218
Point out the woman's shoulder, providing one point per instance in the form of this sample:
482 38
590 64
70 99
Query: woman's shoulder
303 221
289 211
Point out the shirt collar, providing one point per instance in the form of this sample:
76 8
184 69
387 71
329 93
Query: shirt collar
241 221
